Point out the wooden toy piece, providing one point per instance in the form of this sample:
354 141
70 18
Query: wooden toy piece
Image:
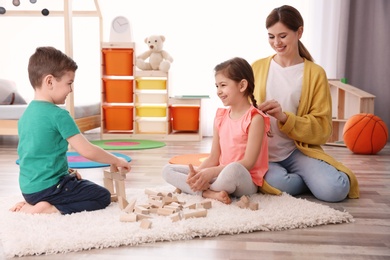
243 202
142 216
130 207
146 223
168 199
178 191
253 205
156 203
176 217
206 204
117 179
141 210
132 217
200 213
165 211
166 194
151 192
122 202
108 183
191 206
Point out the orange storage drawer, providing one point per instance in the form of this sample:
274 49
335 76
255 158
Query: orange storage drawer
185 118
118 91
118 62
118 118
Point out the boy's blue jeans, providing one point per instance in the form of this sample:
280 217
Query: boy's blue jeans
71 195
299 174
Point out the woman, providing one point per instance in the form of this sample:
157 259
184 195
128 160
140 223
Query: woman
294 92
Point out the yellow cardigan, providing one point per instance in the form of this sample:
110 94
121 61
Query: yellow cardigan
312 125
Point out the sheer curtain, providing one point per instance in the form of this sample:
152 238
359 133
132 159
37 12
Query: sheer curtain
328 32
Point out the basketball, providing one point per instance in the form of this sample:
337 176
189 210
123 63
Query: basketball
365 134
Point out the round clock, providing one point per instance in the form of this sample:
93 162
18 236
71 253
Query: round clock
120 24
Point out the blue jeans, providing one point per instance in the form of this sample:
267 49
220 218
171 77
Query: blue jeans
71 195
299 174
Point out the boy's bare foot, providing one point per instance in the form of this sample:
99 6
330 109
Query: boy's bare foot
221 196
40 207
17 206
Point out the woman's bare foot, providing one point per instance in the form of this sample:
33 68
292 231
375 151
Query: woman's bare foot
221 196
40 207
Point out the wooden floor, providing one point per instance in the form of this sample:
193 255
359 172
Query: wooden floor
367 238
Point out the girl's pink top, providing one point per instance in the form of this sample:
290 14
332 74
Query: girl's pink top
233 137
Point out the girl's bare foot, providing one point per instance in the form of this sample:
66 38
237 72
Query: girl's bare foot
221 196
40 207
17 206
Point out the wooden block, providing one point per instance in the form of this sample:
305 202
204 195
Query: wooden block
108 175
206 204
176 217
142 216
122 202
155 197
166 194
254 205
191 206
114 198
141 210
146 223
120 189
118 176
153 210
132 217
200 213
157 203
150 192
130 207
174 208
165 211
243 202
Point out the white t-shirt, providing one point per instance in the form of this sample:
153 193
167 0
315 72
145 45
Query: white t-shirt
283 85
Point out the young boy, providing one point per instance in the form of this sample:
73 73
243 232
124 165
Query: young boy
45 131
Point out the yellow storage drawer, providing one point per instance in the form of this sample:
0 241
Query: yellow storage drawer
144 83
151 110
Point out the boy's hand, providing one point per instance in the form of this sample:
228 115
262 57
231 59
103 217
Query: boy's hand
123 166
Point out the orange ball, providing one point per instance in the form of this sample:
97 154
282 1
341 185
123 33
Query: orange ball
365 134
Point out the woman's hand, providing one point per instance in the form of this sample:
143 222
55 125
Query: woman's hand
273 108
199 180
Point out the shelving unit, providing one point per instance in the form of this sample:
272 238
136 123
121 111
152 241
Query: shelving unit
136 104
347 101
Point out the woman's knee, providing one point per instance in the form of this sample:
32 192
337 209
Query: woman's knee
334 192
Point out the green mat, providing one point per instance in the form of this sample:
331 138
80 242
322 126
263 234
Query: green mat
127 144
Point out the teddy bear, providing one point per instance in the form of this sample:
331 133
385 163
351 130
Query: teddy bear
159 59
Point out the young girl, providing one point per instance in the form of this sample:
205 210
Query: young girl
45 132
238 159
295 93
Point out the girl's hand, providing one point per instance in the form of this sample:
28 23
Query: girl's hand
199 181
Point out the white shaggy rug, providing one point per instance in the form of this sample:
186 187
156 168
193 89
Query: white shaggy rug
22 234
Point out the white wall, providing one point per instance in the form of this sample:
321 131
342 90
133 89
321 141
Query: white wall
199 35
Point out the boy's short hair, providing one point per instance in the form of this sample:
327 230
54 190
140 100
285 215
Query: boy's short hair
48 61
